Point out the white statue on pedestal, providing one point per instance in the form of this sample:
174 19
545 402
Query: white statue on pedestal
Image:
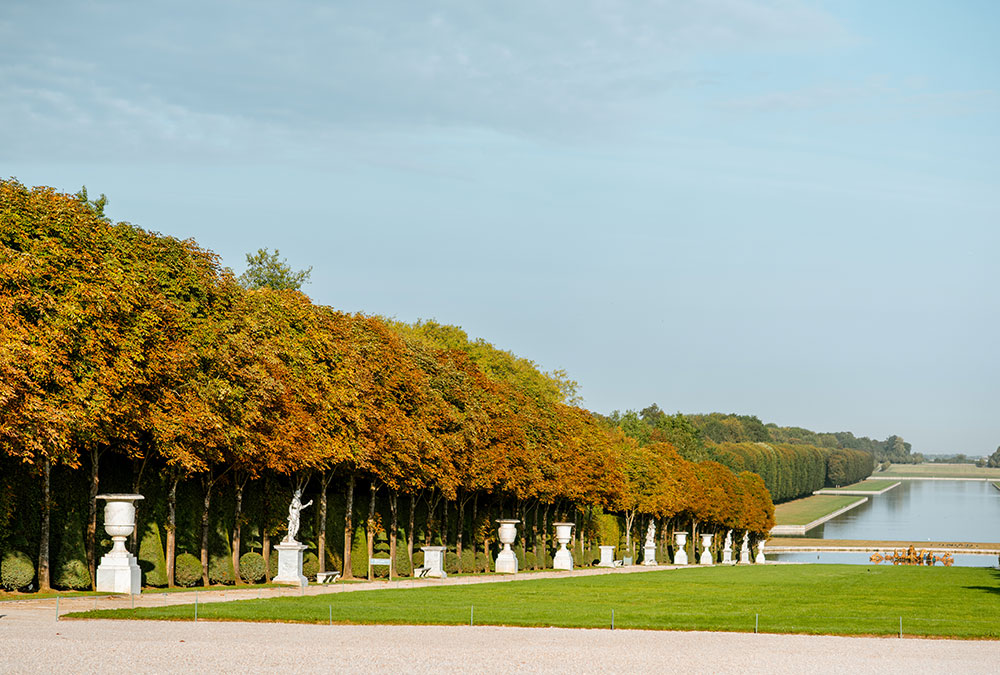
745 549
294 509
649 549
290 551
727 551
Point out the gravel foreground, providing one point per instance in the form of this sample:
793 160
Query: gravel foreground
31 641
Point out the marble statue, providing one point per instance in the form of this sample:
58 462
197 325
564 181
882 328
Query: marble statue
650 534
294 511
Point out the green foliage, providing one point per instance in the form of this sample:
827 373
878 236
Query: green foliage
468 561
152 558
403 568
187 570
252 567
451 562
310 565
16 571
530 561
266 270
484 562
74 575
359 554
608 530
994 460
220 570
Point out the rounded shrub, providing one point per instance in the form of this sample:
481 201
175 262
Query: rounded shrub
16 571
529 561
484 562
187 570
220 570
74 575
468 561
272 563
310 565
519 554
252 567
451 562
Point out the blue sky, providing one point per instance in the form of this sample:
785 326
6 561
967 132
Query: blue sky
784 208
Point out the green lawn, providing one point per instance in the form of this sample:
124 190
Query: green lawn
821 599
804 511
869 485
939 471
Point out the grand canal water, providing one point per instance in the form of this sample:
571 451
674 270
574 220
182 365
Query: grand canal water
917 510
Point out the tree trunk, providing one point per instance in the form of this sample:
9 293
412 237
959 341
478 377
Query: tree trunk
370 531
458 530
136 535
321 515
348 528
239 482
545 536
392 534
472 529
207 482
44 576
444 524
409 532
95 460
265 534
694 542
534 536
172 527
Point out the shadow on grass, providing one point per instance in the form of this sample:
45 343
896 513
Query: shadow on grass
995 590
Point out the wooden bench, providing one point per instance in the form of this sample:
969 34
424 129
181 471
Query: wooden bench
327 577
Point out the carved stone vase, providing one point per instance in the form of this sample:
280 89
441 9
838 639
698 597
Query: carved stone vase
563 559
506 562
706 554
680 555
119 571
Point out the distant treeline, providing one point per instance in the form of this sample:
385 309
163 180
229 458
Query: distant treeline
792 461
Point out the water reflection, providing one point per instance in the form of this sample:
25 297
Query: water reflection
922 510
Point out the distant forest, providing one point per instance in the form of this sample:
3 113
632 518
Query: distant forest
695 435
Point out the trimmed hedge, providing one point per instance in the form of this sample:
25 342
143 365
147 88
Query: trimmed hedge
73 575
187 570
16 571
220 570
252 567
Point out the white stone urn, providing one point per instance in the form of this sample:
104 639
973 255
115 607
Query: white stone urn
563 559
506 562
745 549
706 554
119 572
760 553
680 555
607 556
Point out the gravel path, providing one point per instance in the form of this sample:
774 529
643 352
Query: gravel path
31 641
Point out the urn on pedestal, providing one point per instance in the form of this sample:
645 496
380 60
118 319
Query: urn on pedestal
706 553
680 555
563 559
506 562
760 553
119 572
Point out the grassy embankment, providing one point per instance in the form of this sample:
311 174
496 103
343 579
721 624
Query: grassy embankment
938 471
868 485
804 511
819 599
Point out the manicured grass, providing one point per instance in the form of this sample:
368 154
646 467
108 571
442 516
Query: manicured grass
818 599
808 509
939 471
869 485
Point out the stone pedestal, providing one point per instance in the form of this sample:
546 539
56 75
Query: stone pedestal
506 562
680 555
563 559
649 547
434 559
706 554
290 564
745 550
760 553
607 556
119 571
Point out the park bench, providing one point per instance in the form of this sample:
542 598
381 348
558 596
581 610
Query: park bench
419 572
327 577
